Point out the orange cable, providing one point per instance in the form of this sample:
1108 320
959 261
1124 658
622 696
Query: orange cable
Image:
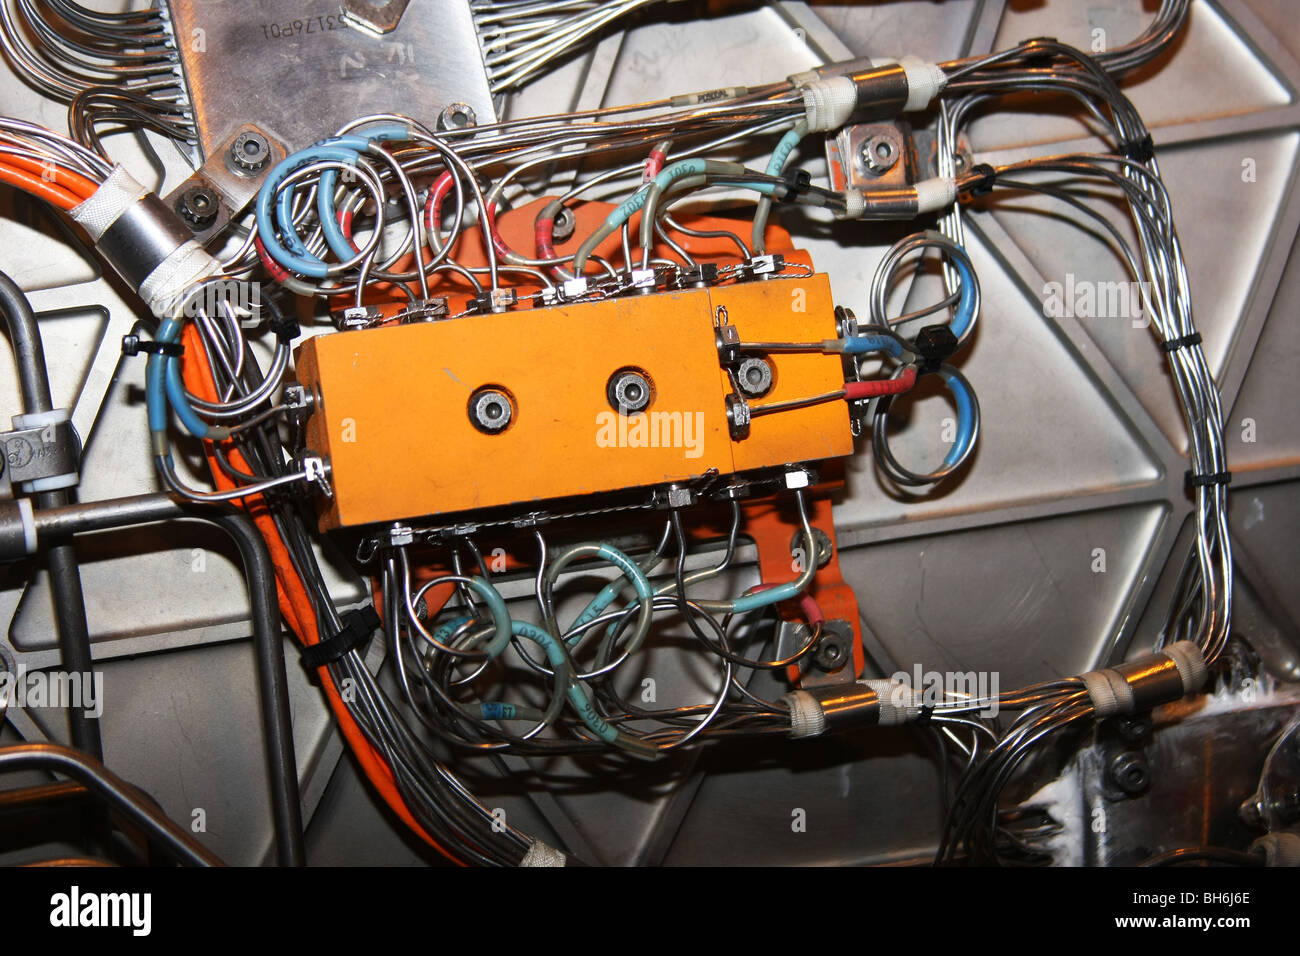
38 187
74 182
295 604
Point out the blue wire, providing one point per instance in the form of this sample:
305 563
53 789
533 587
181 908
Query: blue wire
965 312
874 343
965 418
291 252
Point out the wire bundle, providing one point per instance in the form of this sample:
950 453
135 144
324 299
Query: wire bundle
522 38
119 68
471 678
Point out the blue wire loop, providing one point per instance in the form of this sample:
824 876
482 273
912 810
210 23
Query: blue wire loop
274 212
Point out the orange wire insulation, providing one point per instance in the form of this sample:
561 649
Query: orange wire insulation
295 605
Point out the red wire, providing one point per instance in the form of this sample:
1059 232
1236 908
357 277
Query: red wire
874 388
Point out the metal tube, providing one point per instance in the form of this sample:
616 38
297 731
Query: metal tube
113 790
103 515
277 724
272 681
65 577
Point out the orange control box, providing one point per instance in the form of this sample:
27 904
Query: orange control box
394 407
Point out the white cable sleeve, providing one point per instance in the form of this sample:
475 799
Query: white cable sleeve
185 266
855 204
40 419
829 103
807 719
924 81
28 518
1190 661
899 703
1280 848
539 854
108 202
935 194
1108 691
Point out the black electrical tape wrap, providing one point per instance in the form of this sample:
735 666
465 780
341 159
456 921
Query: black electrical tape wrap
134 345
1214 478
358 625
1173 345
1138 150
984 185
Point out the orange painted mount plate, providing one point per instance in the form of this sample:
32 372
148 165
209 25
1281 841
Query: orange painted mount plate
392 413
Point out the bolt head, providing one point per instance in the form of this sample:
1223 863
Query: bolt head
754 377
879 154
629 392
456 116
491 410
198 206
250 152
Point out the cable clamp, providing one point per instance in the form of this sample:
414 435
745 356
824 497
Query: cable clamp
1139 150
358 625
1173 345
1176 671
134 345
42 452
984 184
1213 478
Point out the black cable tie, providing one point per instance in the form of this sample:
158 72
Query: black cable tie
797 182
1173 345
134 345
1215 478
923 717
358 625
984 185
286 328
933 345
1138 150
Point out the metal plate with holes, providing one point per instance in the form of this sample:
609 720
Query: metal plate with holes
298 71
1055 551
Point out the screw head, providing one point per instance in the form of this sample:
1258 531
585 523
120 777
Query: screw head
198 206
879 154
1131 773
629 392
754 377
250 152
490 410
831 652
565 223
456 116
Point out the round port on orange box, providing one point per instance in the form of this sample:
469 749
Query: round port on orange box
491 409
630 390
